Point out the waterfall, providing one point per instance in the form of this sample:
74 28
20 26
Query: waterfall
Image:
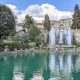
69 37
52 37
61 37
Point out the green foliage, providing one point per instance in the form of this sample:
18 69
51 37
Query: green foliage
76 18
24 38
39 39
47 27
13 45
74 40
1 46
32 44
29 22
47 23
18 38
16 45
34 31
7 21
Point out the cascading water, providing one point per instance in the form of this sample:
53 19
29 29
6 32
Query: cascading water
61 37
52 37
69 37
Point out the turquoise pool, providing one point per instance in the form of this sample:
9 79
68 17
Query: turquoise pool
40 66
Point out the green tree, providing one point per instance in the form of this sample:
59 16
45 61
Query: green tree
74 39
26 38
47 23
34 31
47 27
76 18
7 21
22 38
28 22
39 39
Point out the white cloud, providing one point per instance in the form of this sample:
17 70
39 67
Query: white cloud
38 12
13 8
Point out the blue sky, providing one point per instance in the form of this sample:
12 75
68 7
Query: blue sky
56 9
63 5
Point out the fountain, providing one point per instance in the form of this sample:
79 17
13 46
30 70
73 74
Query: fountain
52 37
61 38
69 37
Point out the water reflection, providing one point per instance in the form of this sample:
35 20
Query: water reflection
51 66
18 76
61 61
69 63
17 72
52 62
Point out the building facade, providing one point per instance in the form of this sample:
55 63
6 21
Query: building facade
63 23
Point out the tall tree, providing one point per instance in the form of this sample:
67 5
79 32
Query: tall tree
76 18
47 27
47 23
7 21
29 22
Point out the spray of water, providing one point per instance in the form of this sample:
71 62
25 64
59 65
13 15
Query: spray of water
69 37
61 37
52 37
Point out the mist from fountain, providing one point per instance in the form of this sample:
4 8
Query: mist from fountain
52 37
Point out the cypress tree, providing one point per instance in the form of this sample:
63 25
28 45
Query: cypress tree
47 27
47 23
76 18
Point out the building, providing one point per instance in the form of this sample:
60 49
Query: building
60 28
20 30
20 33
63 23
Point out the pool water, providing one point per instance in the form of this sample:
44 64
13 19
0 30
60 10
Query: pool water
40 66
